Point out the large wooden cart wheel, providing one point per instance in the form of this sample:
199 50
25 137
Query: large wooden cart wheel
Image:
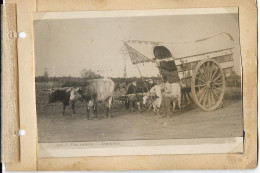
208 84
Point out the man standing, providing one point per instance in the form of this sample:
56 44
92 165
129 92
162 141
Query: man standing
169 73
167 98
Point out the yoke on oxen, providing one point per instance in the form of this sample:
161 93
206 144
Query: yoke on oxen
130 97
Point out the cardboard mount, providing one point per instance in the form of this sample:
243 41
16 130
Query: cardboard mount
18 90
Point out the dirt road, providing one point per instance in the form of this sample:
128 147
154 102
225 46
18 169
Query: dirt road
192 123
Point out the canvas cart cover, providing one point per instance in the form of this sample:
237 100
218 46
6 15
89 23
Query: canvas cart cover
150 50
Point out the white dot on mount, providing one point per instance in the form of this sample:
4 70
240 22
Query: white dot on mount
21 34
21 132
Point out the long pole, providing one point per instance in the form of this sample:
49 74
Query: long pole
144 82
142 78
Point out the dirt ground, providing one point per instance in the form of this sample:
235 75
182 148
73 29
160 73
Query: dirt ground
190 123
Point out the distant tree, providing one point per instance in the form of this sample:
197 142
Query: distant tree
89 74
40 79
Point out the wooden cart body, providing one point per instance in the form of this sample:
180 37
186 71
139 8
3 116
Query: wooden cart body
187 65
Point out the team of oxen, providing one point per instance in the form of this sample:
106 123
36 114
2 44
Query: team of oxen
139 95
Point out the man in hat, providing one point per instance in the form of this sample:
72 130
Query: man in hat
166 97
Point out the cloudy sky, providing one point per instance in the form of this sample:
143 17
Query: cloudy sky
66 46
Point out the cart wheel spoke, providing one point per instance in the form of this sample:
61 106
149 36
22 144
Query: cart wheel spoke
202 75
209 97
201 91
205 99
196 86
214 94
203 95
205 72
217 84
215 88
218 77
200 80
212 68
208 70
214 74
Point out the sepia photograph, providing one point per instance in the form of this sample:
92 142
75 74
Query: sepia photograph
138 82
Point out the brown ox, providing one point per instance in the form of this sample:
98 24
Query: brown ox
67 95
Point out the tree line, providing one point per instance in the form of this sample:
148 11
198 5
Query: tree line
87 75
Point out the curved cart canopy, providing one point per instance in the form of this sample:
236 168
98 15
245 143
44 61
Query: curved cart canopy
177 50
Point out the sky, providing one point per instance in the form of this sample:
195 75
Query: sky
66 46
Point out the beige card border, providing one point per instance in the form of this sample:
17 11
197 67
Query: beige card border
10 86
142 147
28 143
132 13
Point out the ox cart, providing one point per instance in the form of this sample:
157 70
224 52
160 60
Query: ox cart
201 65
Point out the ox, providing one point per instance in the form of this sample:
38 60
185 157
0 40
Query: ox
135 88
158 92
153 98
98 90
67 95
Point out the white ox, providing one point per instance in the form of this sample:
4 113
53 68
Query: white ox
175 94
98 90
155 96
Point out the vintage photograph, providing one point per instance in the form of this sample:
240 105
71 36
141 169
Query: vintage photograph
154 77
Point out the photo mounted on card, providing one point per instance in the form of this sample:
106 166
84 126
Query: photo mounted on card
148 82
